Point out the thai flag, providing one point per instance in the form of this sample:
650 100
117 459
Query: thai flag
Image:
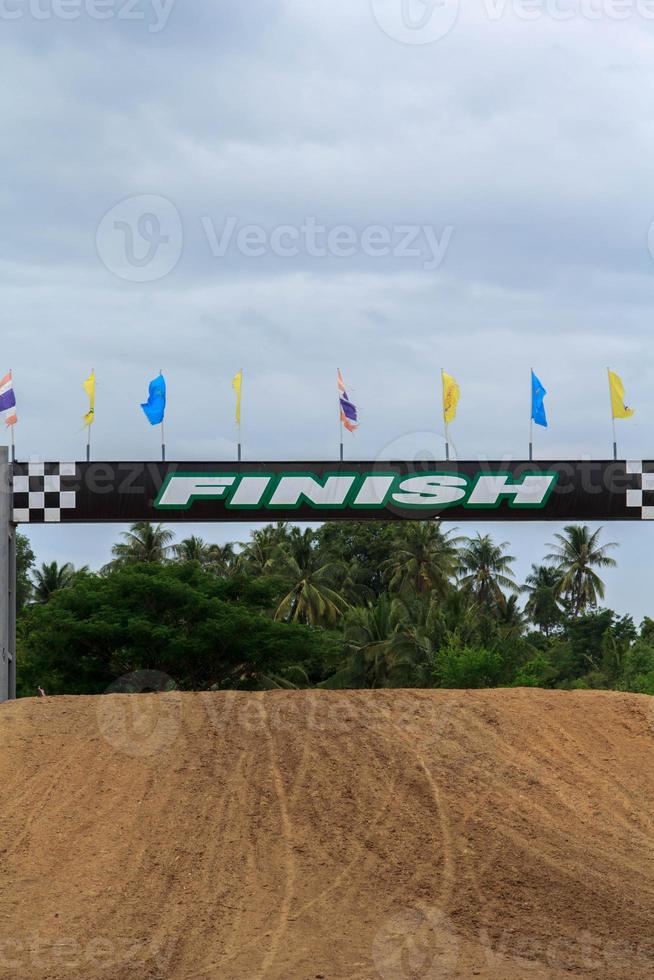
349 414
8 400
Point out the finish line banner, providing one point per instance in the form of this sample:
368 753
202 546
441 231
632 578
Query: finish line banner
62 493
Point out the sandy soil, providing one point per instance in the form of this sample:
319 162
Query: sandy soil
345 836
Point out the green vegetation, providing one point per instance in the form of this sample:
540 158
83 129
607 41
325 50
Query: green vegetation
344 606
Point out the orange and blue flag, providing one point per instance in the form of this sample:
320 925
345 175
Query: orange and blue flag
349 414
8 400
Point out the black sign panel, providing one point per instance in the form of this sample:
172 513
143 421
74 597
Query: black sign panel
462 491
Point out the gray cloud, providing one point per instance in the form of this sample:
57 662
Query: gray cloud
532 140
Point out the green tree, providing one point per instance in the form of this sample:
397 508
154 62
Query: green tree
537 672
638 668
257 557
423 562
577 553
25 561
542 587
468 667
312 598
380 650
219 558
364 548
617 641
222 558
510 618
586 637
647 630
173 618
193 549
144 542
51 578
486 571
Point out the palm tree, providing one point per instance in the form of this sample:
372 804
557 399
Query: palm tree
511 618
192 549
385 647
455 620
576 553
424 561
369 634
144 542
51 578
257 556
221 558
542 587
218 558
487 571
311 575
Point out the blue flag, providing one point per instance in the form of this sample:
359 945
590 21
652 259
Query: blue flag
155 407
538 392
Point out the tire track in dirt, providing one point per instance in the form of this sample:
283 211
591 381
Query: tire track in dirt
448 849
290 869
566 793
280 841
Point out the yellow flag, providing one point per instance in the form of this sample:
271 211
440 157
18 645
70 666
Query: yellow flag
89 388
451 395
620 410
237 385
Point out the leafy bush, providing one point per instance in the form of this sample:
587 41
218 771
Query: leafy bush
170 618
468 667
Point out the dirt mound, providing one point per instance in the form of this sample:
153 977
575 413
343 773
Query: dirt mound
350 836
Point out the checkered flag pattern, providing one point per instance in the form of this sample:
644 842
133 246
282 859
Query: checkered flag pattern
43 491
642 497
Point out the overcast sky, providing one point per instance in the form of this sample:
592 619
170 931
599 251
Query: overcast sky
391 186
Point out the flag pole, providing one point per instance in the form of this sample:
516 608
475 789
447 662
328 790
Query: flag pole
88 434
445 422
240 421
615 437
340 418
531 419
163 431
13 447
